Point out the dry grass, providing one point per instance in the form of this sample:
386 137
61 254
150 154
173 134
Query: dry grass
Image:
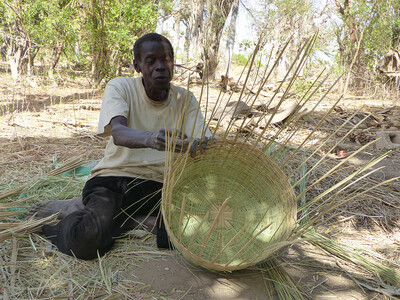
57 275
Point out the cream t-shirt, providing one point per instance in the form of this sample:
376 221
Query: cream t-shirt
127 97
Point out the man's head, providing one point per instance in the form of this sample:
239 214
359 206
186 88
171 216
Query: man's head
151 37
154 58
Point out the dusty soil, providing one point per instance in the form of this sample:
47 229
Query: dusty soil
43 126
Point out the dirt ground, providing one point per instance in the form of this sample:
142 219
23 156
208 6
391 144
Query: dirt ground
41 127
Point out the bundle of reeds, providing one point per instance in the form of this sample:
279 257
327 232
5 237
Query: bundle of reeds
28 226
39 189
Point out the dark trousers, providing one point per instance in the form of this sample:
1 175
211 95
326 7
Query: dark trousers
109 203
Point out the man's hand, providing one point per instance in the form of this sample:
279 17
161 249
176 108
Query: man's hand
183 142
160 138
130 138
200 143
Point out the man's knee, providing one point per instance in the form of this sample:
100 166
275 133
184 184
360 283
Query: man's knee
81 234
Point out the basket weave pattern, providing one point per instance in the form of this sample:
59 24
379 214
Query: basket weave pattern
228 208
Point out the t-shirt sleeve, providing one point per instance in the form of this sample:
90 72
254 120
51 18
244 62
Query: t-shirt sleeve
114 104
196 118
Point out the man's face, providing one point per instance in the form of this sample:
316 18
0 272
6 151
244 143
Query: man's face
155 64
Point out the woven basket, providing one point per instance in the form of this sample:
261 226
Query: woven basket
229 208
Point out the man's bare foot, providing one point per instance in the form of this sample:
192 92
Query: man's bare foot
148 223
46 208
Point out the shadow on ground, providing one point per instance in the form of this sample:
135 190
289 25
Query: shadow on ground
172 276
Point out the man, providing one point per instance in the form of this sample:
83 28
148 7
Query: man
125 187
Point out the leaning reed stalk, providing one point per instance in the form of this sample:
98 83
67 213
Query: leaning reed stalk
190 244
299 127
181 216
234 238
327 209
313 130
247 244
219 102
242 91
105 274
265 80
13 203
244 86
66 167
348 199
346 181
214 224
333 169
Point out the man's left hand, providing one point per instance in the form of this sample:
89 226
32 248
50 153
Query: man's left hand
198 143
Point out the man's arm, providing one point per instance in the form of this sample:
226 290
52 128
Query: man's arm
131 138
128 137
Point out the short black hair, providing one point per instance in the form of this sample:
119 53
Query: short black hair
153 37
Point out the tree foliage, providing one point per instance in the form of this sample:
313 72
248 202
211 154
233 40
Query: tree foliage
369 29
98 35
111 28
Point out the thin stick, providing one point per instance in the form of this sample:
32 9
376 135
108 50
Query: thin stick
312 132
11 204
306 46
298 108
244 85
13 262
214 224
306 226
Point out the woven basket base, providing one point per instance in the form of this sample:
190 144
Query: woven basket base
228 208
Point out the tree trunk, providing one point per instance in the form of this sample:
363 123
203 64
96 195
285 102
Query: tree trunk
359 69
56 55
396 29
17 45
217 13
99 45
14 58
230 42
192 46
176 38
349 43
